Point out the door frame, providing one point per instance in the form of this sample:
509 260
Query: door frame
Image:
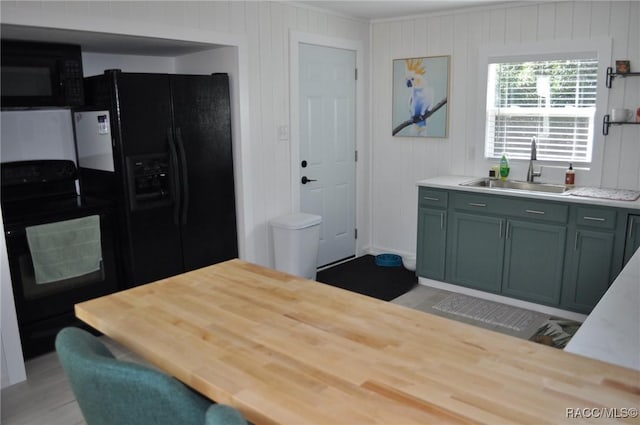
295 39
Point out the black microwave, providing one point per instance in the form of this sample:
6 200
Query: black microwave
36 74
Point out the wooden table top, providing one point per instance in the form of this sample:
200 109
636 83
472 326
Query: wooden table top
287 350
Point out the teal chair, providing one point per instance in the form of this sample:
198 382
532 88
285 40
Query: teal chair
114 392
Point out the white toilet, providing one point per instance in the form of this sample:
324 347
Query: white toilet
295 243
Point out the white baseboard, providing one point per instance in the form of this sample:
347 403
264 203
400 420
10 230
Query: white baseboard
376 251
337 263
505 300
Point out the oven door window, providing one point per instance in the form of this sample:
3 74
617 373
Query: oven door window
32 290
60 256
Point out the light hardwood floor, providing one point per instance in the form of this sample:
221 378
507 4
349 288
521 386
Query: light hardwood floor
46 397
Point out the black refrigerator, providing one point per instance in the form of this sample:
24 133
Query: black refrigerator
159 146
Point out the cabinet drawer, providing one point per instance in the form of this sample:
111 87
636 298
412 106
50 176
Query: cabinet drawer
478 203
603 218
524 208
432 198
537 210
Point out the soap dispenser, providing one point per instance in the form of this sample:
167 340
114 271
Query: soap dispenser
570 176
504 167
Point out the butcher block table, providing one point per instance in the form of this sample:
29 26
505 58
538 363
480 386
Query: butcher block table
286 350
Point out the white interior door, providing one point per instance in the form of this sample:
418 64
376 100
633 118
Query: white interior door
327 146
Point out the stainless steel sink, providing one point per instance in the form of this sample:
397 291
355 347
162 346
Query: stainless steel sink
517 185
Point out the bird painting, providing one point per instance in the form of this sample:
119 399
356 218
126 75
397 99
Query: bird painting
418 82
421 97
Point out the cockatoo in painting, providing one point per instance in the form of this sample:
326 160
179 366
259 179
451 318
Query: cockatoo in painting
421 98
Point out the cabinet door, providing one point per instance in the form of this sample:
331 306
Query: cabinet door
477 251
534 261
633 237
589 272
431 242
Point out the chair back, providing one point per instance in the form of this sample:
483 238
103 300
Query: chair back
110 391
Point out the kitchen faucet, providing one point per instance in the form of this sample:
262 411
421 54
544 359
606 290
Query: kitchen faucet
531 175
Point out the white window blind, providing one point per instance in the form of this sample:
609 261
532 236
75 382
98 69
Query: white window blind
553 101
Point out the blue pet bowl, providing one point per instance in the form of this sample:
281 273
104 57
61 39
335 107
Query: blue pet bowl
388 260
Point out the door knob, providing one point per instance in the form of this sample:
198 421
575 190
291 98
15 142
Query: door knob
305 180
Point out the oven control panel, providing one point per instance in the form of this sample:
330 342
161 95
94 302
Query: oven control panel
40 171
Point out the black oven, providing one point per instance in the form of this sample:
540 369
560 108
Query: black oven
38 74
60 247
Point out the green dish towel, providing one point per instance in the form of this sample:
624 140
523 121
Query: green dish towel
65 249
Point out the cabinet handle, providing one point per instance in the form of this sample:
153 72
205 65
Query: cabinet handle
477 204
429 198
594 218
441 220
500 230
630 229
534 212
508 227
575 244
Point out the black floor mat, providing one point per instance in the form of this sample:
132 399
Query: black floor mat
362 275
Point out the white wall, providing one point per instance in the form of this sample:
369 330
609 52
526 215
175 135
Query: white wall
13 370
36 134
262 28
399 162
96 63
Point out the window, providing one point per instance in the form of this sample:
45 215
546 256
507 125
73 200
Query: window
552 100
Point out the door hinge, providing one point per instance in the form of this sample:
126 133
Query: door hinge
355 156
355 233
356 74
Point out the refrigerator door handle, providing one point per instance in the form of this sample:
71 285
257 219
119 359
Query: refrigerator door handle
184 177
175 176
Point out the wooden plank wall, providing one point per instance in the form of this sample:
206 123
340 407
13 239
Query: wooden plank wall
398 163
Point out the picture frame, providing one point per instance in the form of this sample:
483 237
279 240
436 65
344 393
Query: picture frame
420 97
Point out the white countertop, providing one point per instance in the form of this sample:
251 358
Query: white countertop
611 333
453 183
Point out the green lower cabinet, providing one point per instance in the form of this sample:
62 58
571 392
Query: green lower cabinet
633 237
432 239
557 253
477 251
534 261
589 269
